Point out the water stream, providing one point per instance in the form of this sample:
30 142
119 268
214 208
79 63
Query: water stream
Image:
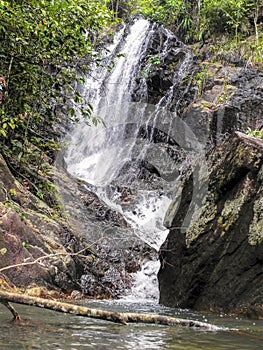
44 329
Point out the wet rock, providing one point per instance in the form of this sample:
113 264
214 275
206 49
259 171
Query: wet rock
27 234
113 250
162 69
92 240
230 99
216 262
212 98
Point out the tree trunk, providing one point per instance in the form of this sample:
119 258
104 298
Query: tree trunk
124 318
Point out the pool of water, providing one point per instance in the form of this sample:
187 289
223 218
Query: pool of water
45 329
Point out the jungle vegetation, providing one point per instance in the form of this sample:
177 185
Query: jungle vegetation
194 18
46 48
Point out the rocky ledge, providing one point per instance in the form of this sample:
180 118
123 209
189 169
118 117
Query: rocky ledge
216 263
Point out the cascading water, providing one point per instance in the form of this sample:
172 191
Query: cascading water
119 160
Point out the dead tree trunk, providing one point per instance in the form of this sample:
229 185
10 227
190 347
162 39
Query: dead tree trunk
124 318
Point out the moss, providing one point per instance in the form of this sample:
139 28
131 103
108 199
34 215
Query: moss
233 206
220 220
256 228
202 217
255 235
226 219
223 233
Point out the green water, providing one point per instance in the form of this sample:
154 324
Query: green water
44 329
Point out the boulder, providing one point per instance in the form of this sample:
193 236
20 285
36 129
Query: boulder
27 233
216 263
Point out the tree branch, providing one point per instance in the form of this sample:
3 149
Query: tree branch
39 260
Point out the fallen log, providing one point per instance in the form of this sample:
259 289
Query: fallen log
117 317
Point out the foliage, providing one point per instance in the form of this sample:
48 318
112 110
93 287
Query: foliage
152 61
176 14
255 133
46 46
122 8
225 16
233 28
201 78
193 20
43 45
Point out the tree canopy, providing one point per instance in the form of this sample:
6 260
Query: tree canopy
43 46
191 19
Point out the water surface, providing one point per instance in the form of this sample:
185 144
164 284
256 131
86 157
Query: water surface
45 329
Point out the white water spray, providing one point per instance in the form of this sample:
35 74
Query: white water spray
99 155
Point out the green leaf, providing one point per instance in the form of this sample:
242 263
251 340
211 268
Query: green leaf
3 133
25 245
3 251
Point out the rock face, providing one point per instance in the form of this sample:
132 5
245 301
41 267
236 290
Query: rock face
164 71
91 250
213 96
227 99
28 232
217 262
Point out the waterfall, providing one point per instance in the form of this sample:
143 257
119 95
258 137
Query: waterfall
121 161
110 95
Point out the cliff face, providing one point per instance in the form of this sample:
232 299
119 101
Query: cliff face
213 95
217 261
